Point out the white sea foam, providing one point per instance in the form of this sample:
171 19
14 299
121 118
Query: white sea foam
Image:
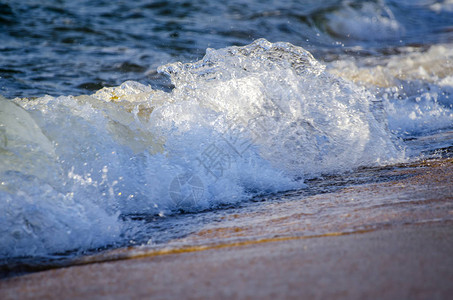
366 21
242 121
446 5
416 86
44 208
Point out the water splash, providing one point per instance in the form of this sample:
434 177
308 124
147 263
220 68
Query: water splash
241 122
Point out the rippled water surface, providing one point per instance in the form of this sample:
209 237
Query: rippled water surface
73 47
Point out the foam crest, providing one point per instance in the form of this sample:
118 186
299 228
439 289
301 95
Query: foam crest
303 114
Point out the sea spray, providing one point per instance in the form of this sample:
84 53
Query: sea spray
241 122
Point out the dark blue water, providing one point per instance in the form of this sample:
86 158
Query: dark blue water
74 47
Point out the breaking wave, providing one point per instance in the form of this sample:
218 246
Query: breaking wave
241 122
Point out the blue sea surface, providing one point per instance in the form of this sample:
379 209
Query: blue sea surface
74 47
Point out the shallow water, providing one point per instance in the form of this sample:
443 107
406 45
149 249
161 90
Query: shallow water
162 135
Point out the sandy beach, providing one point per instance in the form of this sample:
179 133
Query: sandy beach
399 263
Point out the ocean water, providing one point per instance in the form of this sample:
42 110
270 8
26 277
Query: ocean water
129 123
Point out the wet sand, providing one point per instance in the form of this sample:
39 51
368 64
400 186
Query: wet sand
403 254
399 263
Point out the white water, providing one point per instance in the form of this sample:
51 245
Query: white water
416 86
241 122
368 22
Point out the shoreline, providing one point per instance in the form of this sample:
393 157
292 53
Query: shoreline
399 247
406 262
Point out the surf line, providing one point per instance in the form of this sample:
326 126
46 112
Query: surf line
134 253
